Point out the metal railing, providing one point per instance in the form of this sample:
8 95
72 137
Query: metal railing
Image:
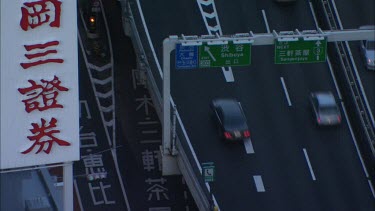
351 76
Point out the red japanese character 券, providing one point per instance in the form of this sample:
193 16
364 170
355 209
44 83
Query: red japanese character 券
42 97
37 13
46 133
38 53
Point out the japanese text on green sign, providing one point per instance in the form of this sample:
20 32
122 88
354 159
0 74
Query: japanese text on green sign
300 51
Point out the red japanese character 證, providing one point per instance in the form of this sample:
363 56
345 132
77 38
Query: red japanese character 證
37 13
42 97
36 48
44 134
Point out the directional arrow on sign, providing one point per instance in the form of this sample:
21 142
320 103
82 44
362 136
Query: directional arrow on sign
207 49
317 49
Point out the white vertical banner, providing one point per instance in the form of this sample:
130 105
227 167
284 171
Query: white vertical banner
39 98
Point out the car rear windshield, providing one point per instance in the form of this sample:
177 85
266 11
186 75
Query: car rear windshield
328 109
233 117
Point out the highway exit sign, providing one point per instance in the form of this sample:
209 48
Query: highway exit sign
224 55
300 51
206 56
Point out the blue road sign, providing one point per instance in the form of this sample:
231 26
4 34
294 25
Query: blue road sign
186 57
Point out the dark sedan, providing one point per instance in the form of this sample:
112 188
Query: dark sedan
230 119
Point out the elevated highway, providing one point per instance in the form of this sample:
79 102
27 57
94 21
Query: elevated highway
300 166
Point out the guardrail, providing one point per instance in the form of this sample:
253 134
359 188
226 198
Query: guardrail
353 91
186 161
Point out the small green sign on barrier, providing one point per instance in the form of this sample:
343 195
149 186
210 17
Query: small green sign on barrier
208 171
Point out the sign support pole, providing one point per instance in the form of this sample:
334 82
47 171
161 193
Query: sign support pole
169 150
68 187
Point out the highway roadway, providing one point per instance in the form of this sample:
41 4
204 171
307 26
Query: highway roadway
295 165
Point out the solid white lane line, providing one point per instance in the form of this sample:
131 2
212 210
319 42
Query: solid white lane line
187 137
354 140
285 91
313 14
149 38
371 187
215 202
309 164
248 146
334 78
265 21
259 183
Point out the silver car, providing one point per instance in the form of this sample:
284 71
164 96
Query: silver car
368 49
326 111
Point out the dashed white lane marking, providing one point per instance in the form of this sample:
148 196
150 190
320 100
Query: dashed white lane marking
228 74
285 91
309 164
248 146
265 21
259 183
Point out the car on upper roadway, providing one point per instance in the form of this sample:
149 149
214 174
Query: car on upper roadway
230 118
368 49
326 111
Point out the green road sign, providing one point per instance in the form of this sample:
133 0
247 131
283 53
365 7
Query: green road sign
224 55
208 171
300 51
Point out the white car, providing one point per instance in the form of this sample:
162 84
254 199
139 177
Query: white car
326 111
368 49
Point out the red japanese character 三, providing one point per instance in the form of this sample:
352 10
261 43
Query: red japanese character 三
41 51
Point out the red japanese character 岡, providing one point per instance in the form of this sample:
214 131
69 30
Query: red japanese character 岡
40 12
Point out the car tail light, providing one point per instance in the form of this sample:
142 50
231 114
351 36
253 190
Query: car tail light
339 118
227 135
246 133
